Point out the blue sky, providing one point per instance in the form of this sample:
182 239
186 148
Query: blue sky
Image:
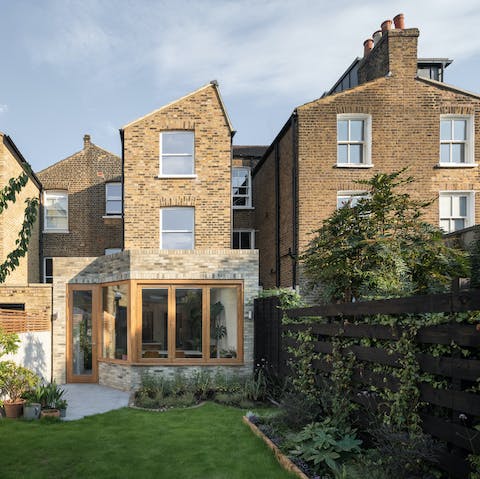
91 66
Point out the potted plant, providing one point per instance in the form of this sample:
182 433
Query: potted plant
51 394
33 404
61 405
15 381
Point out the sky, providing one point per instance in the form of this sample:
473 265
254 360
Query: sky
70 67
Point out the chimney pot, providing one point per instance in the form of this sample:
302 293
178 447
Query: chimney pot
367 46
386 25
377 36
399 21
86 141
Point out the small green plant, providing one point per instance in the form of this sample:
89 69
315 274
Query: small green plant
256 387
50 394
324 445
16 380
202 385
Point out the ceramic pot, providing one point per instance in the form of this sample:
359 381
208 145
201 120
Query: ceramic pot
32 410
14 410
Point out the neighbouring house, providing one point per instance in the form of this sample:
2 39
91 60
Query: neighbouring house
25 304
388 111
166 291
245 158
82 206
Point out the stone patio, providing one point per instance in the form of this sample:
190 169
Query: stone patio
89 399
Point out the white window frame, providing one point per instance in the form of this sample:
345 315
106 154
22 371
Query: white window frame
252 237
367 140
45 277
192 231
349 194
113 198
469 142
248 196
109 251
167 175
470 218
46 194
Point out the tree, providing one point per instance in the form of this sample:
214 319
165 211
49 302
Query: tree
381 247
9 195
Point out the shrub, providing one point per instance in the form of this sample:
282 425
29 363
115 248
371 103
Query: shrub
323 444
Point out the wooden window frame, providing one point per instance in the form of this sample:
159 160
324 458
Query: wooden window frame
46 195
248 196
205 285
161 173
109 198
366 142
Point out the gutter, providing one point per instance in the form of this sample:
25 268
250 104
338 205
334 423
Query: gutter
295 202
122 139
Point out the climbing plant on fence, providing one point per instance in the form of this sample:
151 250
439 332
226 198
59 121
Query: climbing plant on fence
414 361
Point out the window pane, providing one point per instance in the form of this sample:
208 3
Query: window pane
356 154
154 323
223 323
446 130
342 153
458 153
445 206
177 241
114 207
356 130
342 130
245 240
177 165
114 191
177 219
236 240
460 130
56 214
240 201
82 333
188 323
178 142
445 225
114 322
458 224
56 223
445 153
462 206
48 267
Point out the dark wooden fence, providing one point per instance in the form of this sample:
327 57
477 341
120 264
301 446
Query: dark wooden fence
460 373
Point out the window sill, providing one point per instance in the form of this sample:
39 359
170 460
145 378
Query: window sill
56 231
456 165
243 207
111 216
350 165
175 177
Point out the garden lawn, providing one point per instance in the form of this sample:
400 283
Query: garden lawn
208 442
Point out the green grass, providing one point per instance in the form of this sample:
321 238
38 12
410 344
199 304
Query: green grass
209 442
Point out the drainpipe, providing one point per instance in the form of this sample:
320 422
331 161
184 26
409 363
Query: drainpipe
277 216
295 197
123 188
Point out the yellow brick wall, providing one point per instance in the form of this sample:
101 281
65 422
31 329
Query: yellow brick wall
11 220
209 193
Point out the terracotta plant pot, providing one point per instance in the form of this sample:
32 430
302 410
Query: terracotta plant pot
399 21
14 409
50 413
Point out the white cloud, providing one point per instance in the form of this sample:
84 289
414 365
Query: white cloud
269 48
3 108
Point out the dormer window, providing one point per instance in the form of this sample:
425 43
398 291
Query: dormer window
177 153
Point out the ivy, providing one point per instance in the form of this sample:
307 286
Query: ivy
9 195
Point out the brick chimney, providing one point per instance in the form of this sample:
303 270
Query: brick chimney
395 54
86 141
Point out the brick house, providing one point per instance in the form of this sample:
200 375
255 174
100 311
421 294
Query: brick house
389 110
25 304
82 199
178 294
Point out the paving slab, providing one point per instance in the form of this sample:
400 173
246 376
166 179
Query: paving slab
88 399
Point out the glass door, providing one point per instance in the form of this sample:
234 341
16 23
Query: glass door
82 335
